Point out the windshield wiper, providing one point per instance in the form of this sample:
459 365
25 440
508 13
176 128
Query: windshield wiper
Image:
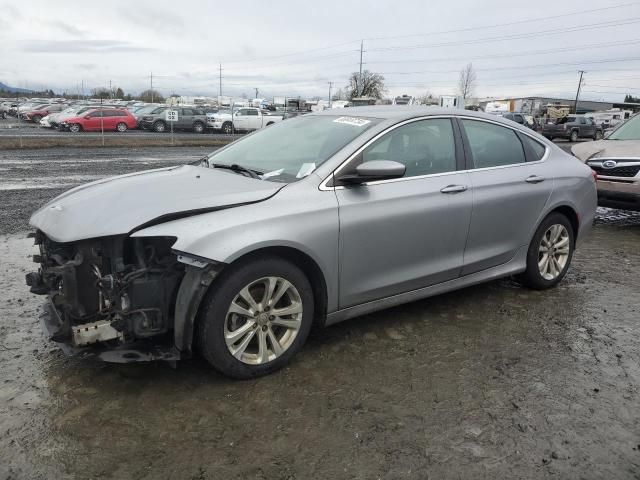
238 169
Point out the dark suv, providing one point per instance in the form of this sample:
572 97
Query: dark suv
572 128
524 119
189 118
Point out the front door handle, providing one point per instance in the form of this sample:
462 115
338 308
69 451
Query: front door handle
534 179
454 189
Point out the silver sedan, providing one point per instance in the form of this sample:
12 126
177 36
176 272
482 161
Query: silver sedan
312 221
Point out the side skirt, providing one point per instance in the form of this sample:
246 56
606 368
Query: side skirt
516 265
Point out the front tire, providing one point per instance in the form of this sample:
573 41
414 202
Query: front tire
36 119
74 128
256 316
121 127
227 127
159 127
598 135
550 253
198 127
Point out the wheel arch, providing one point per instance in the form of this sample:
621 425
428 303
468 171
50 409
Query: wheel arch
197 282
571 215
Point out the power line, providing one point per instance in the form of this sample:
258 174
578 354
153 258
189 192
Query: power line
516 36
459 30
508 24
519 54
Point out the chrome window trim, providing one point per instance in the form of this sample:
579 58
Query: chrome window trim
325 188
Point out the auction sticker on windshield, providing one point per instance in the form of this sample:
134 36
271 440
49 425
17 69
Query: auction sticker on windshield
356 122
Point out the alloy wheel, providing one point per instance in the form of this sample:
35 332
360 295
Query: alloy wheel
553 252
263 320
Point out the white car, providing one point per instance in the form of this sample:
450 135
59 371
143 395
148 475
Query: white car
244 119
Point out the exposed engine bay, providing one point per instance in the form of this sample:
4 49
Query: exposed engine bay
112 291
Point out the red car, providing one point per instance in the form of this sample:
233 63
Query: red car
115 119
36 114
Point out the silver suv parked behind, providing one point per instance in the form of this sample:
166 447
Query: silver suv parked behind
189 118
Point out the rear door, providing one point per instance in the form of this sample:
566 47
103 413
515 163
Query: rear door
185 118
254 120
403 234
511 186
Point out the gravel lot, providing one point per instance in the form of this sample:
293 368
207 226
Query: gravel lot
493 381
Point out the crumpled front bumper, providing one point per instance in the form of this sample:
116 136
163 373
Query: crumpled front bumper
140 351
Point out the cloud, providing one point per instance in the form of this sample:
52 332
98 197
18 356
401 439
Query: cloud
84 46
67 28
155 20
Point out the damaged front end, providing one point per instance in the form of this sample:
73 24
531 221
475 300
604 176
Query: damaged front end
113 297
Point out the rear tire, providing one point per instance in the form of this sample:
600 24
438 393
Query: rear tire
36 118
263 344
198 127
574 136
550 253
121 127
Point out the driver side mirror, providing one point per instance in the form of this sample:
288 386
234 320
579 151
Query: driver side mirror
372 171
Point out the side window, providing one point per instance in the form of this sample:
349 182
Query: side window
535 148
518 118
252 112
425 147
187 112
492 145
583 121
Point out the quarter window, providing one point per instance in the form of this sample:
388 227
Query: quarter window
492 145
535 148
425 147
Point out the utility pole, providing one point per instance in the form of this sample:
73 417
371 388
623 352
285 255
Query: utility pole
151 87
220 86
575 105
330 85
83 90
256 92
110 91
360 75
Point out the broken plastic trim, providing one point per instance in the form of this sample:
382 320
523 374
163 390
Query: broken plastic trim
193 260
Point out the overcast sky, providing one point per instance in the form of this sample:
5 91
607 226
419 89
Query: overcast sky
296 47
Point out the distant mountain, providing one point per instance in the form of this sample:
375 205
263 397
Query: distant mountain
7 88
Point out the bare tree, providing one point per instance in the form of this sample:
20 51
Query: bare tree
467 81
369 85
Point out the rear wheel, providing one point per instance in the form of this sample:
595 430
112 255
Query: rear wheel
74 127
550 253
121 127
198 127
574 136
257 315
36 118
159 127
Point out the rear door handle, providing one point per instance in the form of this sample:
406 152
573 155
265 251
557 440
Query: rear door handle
534 179
454 189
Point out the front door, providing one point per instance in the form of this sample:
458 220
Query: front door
510 189
403 234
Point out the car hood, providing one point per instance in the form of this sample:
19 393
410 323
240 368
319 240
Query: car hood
119 205
607 149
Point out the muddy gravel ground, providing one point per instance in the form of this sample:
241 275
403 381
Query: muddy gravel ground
493 381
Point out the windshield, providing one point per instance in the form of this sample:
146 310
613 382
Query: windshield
294 148
630 130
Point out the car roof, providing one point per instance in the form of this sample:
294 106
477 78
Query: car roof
404 112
